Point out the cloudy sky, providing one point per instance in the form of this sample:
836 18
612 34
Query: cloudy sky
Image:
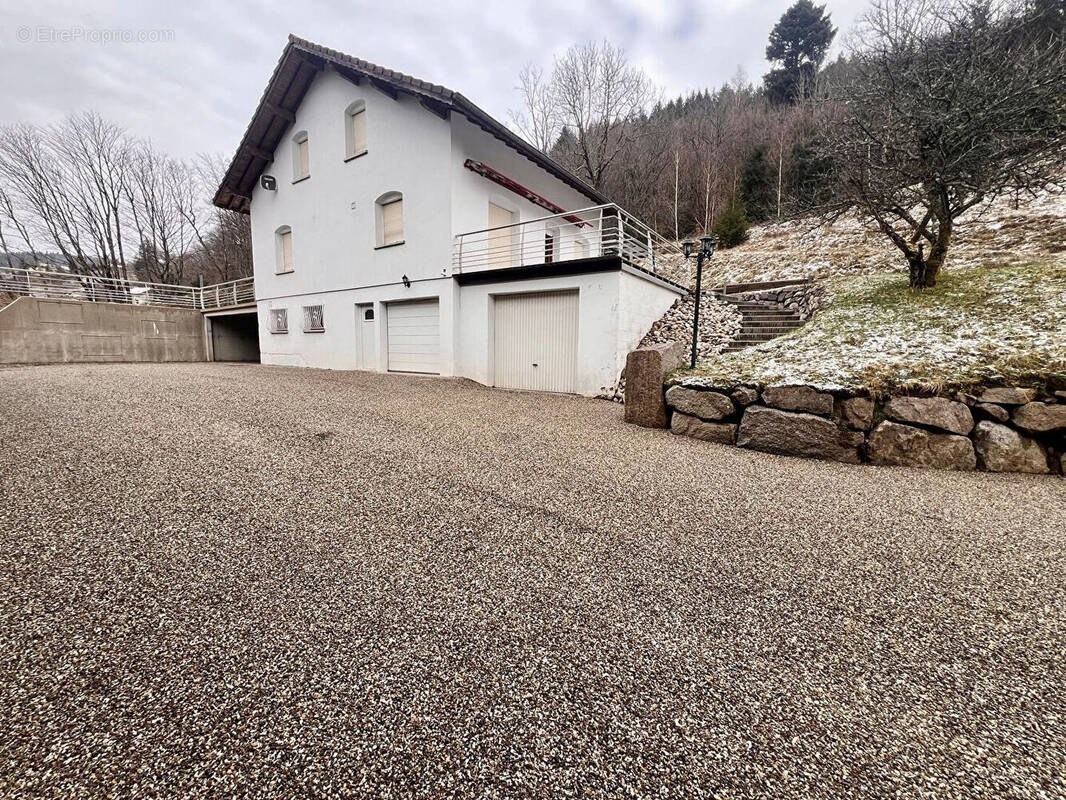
194 71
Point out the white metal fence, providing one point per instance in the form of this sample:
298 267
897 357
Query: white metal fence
595 232
68 286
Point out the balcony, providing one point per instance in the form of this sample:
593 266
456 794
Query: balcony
589 239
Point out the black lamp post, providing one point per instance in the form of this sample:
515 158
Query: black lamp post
707 245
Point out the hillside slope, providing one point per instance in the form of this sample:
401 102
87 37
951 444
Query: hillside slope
996 234
981 325
997 315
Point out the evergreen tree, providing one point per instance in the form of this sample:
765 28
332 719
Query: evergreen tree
809 177
798 43
731 228
757 185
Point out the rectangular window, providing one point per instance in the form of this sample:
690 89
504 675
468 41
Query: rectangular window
357 133
285 251
392 222
303 161
313 320
279 320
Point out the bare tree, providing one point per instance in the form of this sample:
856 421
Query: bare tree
224 237
947 105
9 221
94 160
67 181
114 207
538 120
159 192
603 100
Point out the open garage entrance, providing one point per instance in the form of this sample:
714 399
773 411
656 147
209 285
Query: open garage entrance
233 336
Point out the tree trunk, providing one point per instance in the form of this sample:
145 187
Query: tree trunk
677 178
924 270
780 166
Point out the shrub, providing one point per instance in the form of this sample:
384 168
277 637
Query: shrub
731 228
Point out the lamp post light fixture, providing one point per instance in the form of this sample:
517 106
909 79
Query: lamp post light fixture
706 250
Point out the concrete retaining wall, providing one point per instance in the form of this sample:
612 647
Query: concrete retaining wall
34 330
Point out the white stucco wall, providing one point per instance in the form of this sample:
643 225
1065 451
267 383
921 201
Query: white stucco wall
339 346
640 304
597 321
332 215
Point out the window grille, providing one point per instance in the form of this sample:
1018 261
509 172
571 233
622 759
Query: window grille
313 320
279 320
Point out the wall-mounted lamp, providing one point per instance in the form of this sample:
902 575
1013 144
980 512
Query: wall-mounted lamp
406 282
268 182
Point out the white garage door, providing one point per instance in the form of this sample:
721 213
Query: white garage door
414 336
535 341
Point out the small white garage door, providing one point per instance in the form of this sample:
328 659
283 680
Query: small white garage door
535 341
414 336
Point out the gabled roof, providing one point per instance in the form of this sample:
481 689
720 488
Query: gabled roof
300 62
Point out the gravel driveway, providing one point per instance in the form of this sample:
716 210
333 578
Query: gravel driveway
221 580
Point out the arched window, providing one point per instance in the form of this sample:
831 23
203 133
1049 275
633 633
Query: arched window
301 157
283 250
355 129
389 219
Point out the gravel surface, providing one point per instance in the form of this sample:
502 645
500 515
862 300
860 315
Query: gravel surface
222 580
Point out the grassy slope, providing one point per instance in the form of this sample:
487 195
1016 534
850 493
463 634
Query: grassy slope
980 325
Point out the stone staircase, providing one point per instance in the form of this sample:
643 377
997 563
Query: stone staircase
763 321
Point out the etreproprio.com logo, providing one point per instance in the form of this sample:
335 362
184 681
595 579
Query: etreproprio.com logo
53 34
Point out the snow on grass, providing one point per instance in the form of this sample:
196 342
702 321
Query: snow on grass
996 233
980 325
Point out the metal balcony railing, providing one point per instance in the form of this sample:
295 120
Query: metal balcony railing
90 288
596 232
230 293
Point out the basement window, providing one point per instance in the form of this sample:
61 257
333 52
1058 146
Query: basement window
279 320
313 319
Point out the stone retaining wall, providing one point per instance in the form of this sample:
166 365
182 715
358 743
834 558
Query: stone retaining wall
1002 429
803 298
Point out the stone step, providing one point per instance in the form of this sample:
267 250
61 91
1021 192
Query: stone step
753 339
786 321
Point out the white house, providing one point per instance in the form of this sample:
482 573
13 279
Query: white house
398 227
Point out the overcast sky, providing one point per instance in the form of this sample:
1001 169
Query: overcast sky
192 84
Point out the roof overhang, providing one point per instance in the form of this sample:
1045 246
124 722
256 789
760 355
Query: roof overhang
300 63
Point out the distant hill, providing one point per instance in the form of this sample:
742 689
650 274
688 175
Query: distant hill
24 260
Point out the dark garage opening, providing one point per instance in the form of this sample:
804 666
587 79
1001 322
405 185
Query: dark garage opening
235 337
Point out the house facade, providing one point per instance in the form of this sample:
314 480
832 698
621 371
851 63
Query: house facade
397 227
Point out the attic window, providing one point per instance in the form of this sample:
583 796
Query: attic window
355 129
301 157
